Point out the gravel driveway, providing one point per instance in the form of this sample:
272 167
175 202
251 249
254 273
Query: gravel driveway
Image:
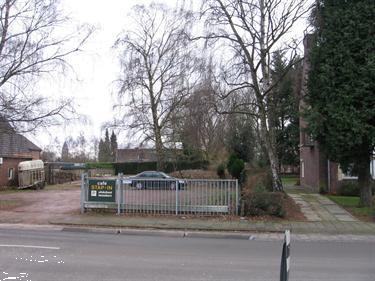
39 206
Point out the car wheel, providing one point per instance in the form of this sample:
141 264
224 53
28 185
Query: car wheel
139 185
173 186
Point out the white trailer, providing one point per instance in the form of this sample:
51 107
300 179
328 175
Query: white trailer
31 174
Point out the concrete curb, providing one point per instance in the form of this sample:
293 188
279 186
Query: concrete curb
165 233
259 236
168 228
20 226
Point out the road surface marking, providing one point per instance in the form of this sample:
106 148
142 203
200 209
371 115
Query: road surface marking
31 246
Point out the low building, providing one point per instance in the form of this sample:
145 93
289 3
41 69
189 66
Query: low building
14 148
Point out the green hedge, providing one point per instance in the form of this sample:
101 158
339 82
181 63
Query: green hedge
131 168
351 188
137 167
100 165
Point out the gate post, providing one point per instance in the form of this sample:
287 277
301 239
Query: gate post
237 199
119 192
176 197
83 192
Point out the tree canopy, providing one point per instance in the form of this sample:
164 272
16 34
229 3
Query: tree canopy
341 85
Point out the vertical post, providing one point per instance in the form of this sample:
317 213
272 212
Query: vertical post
285 258
237 198
119 188
121 191
118 193
176 197
83 190
329 175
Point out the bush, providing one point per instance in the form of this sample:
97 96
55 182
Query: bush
235 166
323 189
257 179
265 203
243 178
220 170
349 189
231 160
259 188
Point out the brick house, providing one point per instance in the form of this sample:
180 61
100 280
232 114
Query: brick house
14 148
316 170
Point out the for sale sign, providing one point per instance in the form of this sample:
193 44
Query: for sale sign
102 190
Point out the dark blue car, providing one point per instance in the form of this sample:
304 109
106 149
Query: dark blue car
155 180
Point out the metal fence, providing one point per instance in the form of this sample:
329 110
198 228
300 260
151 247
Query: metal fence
162 196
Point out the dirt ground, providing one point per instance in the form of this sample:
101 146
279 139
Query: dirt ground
39 206
61 201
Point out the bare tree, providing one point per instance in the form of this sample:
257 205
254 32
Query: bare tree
34 41
253 29
155 60
202 126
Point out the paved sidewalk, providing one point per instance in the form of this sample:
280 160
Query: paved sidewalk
316 207
61 207
260 236
218 224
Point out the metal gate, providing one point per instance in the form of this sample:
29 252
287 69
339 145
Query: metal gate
161 196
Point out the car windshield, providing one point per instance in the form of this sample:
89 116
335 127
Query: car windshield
164 175
152 175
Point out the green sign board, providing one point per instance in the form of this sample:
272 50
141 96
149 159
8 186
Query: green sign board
102 190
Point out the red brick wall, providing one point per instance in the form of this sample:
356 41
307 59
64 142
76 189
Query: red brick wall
334 181
310 158
35 155
4 170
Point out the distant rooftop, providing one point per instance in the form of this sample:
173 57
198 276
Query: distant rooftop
14 144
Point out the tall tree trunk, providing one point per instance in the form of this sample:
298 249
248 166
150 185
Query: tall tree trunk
267 133
158 140
159 150
271 153
364 180
156 127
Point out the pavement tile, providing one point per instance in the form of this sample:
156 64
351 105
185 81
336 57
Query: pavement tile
345 217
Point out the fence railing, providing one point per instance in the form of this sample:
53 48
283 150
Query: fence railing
161 196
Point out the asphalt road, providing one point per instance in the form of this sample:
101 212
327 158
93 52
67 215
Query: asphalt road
55 255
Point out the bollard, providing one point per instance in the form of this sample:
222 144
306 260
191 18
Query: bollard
285 258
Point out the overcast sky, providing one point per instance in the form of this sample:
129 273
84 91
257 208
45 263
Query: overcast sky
95 68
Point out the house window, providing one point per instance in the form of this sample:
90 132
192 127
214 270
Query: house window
308 139
10 173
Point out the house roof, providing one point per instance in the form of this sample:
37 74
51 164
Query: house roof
13 144
136 155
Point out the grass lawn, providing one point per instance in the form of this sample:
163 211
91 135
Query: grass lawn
289 180
351 203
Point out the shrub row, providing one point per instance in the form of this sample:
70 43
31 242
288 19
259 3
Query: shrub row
264 203
99 165
137 167
351 188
